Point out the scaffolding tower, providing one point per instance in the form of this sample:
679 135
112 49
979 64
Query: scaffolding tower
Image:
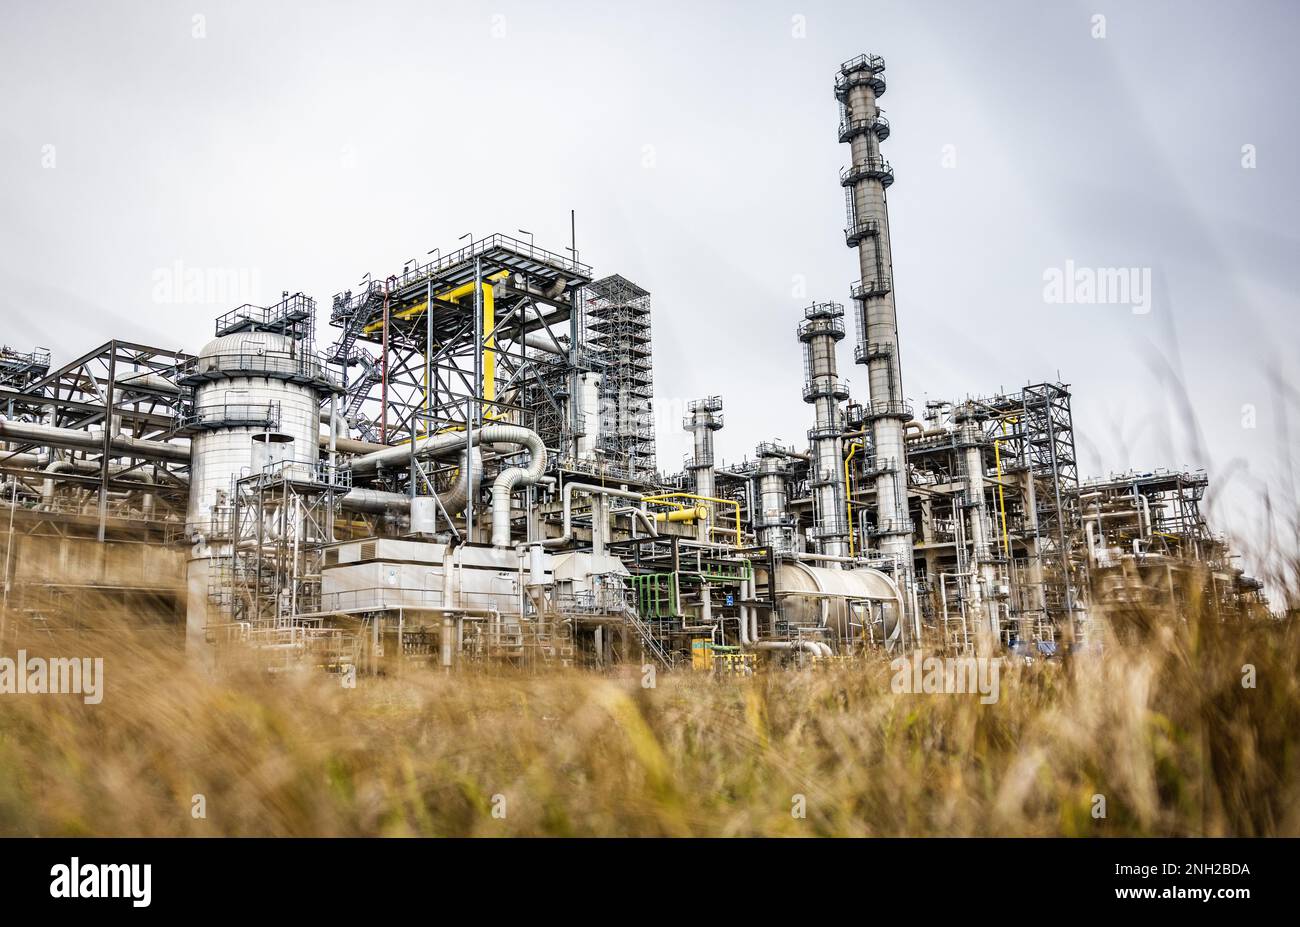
617 313
1035 431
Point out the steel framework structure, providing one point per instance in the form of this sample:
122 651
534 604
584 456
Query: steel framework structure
617 322
459 338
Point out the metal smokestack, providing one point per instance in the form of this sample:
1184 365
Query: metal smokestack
858 85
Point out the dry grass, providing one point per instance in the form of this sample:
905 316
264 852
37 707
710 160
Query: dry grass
1162 727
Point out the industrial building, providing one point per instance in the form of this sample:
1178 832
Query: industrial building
467 473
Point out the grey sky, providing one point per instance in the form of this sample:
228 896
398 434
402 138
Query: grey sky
307 144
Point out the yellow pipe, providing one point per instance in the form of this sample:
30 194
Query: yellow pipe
1002 502
699 511
848 491
670 496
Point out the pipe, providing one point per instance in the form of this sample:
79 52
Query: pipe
848 491
512 477
436 445
66 466
806 646
569 490
691 514
379 502
148 381
30 433
639 515
352 445
47 486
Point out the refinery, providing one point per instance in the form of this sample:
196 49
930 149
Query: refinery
455 465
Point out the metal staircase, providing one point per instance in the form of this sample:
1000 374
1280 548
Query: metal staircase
649 641
358 391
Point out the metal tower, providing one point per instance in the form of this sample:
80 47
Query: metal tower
618 331
857 86
703 418
821 329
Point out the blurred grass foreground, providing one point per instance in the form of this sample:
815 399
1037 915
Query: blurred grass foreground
1185 725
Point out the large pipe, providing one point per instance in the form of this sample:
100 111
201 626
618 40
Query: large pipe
31 433
398 455
806 646
639 515
119 472
569 490
378 501
508 479
147 381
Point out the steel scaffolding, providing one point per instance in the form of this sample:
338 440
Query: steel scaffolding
617 316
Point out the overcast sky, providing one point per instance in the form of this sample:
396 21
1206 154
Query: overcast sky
301 145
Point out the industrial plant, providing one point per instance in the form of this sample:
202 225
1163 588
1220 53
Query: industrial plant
458 468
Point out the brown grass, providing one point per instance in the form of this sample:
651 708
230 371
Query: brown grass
1161 726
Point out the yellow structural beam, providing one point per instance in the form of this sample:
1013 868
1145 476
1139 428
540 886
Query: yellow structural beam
455 295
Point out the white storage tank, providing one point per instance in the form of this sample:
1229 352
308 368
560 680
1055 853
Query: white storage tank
256 403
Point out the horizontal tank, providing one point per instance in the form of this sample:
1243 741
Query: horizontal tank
814 596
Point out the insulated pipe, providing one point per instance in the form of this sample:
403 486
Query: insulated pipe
151 382
745 642
70 466
569 490
543 342
378 502
146 501
639 515
512 477
30 433
397 455
353 446
47 486
806 646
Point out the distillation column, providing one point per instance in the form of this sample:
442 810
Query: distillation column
822 327
703 418
256 408
857 86
773 521
983 583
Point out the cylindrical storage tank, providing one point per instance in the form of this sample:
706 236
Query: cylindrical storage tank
424 515
246 386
